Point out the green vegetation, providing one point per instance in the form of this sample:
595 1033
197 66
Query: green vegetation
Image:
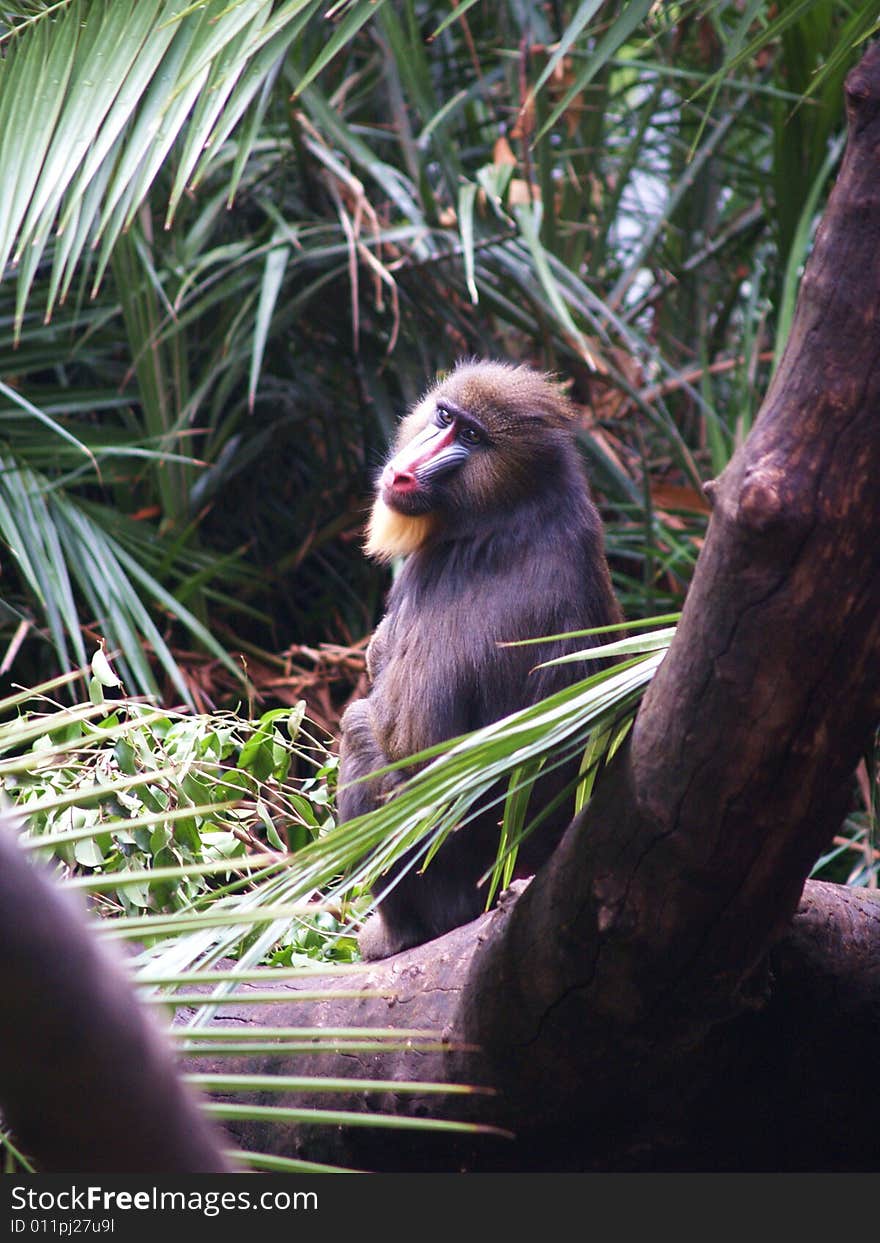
164 814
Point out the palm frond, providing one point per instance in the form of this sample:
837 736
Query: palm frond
94 95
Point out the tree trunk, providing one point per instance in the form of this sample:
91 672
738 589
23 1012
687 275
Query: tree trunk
647 1002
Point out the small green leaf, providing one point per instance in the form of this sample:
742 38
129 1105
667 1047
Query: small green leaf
88 853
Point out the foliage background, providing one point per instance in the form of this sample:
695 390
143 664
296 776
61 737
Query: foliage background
239 238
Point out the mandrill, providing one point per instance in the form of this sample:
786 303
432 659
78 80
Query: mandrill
485 496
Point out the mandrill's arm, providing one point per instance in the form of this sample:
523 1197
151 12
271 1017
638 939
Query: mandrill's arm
359 755
360 752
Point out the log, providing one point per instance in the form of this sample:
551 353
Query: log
754 1095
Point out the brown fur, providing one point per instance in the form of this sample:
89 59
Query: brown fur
503 543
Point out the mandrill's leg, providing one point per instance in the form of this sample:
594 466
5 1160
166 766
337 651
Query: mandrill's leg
392 929
425 905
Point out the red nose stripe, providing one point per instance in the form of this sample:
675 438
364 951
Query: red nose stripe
421 450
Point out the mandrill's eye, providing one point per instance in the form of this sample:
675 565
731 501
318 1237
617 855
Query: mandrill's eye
443 417
470 436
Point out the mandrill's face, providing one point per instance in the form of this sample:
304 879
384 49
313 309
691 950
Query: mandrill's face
440 438
470 446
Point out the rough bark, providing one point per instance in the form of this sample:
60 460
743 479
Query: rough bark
632 996
785 1086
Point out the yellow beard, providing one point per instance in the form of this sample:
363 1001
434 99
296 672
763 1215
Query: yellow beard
390 534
